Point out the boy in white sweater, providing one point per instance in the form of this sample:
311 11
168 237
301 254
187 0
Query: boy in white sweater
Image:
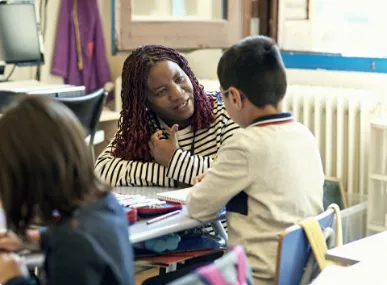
269 175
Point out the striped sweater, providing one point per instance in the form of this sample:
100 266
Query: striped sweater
184 165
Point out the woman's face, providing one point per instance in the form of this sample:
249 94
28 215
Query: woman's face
170 93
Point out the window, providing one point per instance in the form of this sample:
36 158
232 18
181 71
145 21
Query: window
332 34
180 24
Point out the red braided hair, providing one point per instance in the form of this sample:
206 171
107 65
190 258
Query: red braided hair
135 124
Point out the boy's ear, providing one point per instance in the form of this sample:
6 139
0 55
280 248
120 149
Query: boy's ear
235 97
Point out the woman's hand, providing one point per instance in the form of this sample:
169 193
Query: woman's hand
198 178
10 242
161 148
33 235
11 266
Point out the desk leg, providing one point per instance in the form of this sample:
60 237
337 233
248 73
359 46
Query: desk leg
218 228
172 267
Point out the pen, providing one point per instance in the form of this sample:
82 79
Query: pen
160 218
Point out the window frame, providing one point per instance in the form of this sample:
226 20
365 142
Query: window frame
182 35
323 61
337 62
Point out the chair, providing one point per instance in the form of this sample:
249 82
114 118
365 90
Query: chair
6 98
232 268
88 110
294 251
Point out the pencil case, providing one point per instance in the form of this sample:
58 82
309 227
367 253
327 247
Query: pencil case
159 209
131 215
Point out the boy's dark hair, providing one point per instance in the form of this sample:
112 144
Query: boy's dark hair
45 164
254 66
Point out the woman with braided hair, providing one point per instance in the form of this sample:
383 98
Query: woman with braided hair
170 129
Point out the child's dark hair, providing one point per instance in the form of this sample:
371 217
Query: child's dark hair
254 66
134 131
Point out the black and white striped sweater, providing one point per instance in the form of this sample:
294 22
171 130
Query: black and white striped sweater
184 165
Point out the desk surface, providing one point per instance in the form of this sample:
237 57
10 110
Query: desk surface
365 272
33 85
107 115
365 249
140 231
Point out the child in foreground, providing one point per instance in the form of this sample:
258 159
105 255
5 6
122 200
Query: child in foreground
269 175
47 167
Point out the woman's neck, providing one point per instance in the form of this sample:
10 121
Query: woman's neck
182 124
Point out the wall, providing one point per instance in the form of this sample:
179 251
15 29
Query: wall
203 62
195 58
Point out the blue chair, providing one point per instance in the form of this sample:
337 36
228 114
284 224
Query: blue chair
294 251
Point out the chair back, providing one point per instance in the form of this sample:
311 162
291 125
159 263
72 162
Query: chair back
6 97
232 268
88 109
294 251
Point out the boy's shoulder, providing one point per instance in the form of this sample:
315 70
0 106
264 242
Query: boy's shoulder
255 135
244 139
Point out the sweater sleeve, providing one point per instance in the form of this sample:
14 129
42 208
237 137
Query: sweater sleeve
119 172
229 176
19 280
64 267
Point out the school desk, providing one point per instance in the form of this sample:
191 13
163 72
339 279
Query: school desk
368 248
108 121
140 231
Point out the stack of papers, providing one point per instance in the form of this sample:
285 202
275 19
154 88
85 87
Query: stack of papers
179 196
138 201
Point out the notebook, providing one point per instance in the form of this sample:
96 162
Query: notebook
175 196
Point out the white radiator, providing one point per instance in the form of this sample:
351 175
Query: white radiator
340 120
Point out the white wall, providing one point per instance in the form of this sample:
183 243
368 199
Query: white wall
203 62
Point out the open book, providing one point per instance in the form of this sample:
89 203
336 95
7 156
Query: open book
175 196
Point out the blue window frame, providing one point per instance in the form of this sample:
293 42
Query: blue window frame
300 60
347 31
